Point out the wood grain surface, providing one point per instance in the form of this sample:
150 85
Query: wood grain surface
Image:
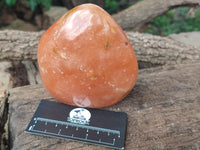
163 112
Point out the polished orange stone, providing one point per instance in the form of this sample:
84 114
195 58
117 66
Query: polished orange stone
86 60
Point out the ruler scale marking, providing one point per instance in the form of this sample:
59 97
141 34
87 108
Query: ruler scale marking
78 125
68 124
93 126
72 137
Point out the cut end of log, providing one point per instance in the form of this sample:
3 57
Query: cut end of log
3 94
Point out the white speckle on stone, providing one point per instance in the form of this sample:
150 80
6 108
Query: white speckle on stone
42 70
43 58
89 88
124 70
81 68
56 32
121 89
63 55
53 72
60 71
112 85
82 102
93 78
106 25
56 35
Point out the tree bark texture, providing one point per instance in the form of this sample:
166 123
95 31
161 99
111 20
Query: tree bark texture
3 117
150 50
163 112
17 73
18 45
6 81
3 107
141 13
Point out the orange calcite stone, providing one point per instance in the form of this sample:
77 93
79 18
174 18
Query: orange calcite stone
86 60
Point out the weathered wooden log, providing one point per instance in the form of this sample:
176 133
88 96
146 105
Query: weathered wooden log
16 73
150 50
155 50
3 107
141 13
33 75
163 112
3 118
6 81
18 45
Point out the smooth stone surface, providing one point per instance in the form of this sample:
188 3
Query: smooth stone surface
86 60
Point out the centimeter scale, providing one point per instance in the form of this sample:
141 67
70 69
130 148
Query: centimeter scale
93 126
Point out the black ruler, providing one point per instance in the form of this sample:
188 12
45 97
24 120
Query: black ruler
93 126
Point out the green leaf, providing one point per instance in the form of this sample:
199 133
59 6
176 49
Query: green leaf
170 13
46 4
33 4
10 3
197 14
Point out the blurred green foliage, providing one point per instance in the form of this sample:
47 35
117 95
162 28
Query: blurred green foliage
9 3
32 3
113 6
174 22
